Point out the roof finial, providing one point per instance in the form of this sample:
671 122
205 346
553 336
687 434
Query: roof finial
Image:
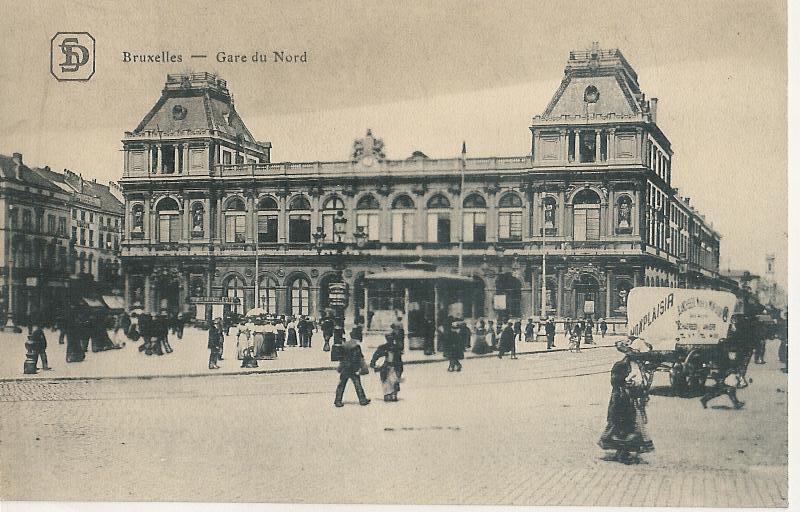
464 148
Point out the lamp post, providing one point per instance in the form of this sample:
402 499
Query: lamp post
337 291
541 332
10 326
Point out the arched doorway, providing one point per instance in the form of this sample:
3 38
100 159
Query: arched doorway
587 296
268 294
509 287
324 283
167 291
475 302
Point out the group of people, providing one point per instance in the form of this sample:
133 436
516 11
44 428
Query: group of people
153 330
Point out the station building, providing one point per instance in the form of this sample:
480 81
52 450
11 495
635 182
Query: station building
209 216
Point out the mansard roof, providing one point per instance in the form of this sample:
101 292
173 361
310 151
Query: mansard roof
195 101
599 82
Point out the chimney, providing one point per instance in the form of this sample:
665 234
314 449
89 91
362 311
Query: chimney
17 157
653 109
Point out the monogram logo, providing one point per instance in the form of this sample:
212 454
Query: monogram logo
72 56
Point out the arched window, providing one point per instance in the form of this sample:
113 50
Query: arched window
300 297
198 220
549 209
368 216
300 220
624 215
234 289
169 220
267 220
329 210
235 221
474 225
586 215
439 219
268 294
509 218
403 219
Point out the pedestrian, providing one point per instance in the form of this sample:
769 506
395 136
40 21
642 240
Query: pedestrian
464 334
568 326
214 343
390 369
529 330
291 332
480 346
453 345
327 331
163 331
370 314
399 333
280 334
625 432
518 330
491 335
575 337
588 327
304 331
550 331
269 339
243 342
603 327
429 336
36 335
74 330
357 332
508 341
180 325
351 367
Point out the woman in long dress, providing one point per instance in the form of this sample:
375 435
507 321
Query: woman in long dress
269 340
291 333
391 368
480 346
259 341
625 429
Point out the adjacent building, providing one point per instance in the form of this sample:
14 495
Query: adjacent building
59 232
213 224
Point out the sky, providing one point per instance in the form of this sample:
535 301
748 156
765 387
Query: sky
424 76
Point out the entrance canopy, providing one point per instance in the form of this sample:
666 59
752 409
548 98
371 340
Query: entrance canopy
418 271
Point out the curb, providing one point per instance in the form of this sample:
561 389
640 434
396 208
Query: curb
439 359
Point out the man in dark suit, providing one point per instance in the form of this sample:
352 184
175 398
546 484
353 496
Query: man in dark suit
550 331
214 343
350 369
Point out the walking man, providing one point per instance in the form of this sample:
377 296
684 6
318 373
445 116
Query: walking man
603 327
550 331
350 369
214 343
40 346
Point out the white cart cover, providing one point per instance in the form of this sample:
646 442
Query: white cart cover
665 317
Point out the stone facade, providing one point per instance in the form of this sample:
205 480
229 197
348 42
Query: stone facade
594 196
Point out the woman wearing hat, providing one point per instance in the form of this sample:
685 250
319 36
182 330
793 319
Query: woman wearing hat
625 431
391 368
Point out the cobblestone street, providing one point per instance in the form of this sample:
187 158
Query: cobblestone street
500 432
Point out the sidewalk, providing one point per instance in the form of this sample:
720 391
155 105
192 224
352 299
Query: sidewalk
190 358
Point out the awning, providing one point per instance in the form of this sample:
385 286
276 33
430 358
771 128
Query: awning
92 303
114 301
408 274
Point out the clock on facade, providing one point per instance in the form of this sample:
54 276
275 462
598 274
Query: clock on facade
591 95
178 112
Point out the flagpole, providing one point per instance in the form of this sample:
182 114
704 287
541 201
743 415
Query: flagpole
462 165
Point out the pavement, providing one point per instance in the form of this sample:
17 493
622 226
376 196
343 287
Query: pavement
190 357
501 432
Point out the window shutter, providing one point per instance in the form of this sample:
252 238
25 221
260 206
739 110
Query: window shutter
174 228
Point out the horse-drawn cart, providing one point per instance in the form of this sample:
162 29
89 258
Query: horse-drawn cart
680 331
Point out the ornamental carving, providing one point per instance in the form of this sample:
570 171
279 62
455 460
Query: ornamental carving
493 188
369 148
351 189
316 190
283 190
454 189
420 188
573 274
384 188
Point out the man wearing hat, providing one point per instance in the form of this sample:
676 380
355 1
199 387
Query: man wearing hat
550 331
214 343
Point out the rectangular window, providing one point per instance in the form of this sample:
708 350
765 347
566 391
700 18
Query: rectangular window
91 216
74 214
39 221
402 226
439 227
226 158
474 227
83 215
62 226
300 301
370 223
587 224
267 228
74 233
26 219
234 228
299 228
51 224
83 237
327 226
509 226
91 238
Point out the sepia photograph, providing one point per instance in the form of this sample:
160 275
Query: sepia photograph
394 253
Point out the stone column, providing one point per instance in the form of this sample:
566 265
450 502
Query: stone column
175 159
149 166
147 224
186 219
158 159
283 223
491 217
576 137
127 297
185 162
249 225
565 141
536 289
597 145
147 306
526 302
313 300
611 145
609 283
218 227
603 219
282 300
559 293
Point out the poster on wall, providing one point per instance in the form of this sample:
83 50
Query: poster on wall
500 302
665 317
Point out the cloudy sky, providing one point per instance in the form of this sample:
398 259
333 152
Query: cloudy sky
424 75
